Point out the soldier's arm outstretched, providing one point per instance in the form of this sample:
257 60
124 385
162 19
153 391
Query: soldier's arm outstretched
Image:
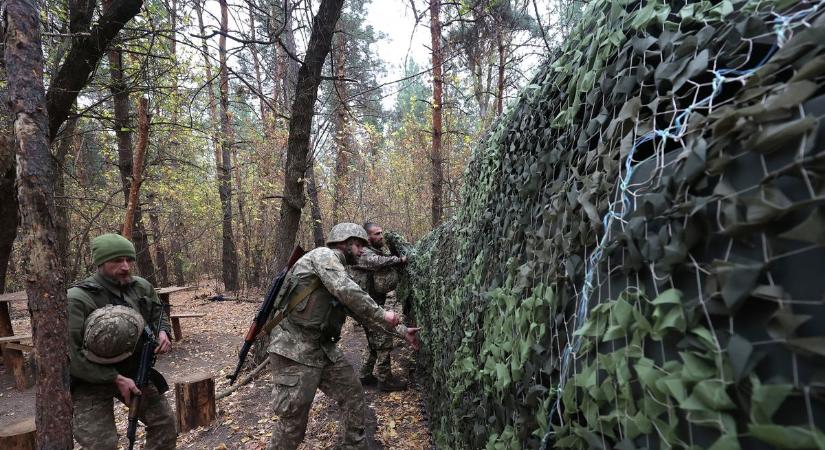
333 276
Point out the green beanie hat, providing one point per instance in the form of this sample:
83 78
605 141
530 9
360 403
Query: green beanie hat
110 246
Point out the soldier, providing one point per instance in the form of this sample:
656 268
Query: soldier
107 312
376 273
303 353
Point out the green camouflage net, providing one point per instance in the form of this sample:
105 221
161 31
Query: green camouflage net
639 257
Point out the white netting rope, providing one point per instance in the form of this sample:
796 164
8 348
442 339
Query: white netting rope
627 192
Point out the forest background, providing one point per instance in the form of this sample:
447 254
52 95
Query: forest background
217 144
191 104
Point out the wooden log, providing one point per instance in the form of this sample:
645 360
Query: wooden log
195 400
18 435
176 329
15 362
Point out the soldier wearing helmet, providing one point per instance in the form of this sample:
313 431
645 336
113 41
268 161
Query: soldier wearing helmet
107 313
376 273
303 353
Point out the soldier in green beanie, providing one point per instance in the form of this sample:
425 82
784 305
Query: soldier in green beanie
103 368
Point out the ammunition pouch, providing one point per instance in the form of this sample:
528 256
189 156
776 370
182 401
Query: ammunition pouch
334 322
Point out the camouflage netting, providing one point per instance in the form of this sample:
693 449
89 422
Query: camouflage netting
639 258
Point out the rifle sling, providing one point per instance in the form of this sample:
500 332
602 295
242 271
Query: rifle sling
298 298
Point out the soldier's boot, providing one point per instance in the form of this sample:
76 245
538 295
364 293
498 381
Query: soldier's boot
391 384
368 380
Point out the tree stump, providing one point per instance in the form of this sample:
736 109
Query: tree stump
18 435
195 400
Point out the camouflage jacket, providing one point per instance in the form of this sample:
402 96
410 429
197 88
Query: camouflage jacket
98 291
376 267
306 344
375 259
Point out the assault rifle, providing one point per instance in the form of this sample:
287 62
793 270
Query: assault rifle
145 372
265 311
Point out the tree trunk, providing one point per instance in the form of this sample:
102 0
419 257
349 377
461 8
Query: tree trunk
240 195
213 111
435 155
64 145
286 68
176 237
195 402
278 65
44 276
315 207
8 194
502 58
160 254
8 213
137 167
177 249
82 59
300 123
79 161
120 100
230 254
340 192
256 62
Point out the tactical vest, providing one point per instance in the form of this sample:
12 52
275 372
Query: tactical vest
92 291
101 296
385 280
320 311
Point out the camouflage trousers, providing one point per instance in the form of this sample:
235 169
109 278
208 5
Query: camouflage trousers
94 418
377 355
293 390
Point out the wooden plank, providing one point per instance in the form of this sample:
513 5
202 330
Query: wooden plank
19 296
20 347
19 435
171 289
18 338
186 315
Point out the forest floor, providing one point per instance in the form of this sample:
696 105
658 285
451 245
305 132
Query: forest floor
210 345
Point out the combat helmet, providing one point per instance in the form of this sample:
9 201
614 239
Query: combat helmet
111 334
346 230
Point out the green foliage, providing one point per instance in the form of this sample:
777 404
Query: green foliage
634 261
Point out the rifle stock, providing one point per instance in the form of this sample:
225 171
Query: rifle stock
263 313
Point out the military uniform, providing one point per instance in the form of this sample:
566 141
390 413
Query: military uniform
93 384
303 351
376 274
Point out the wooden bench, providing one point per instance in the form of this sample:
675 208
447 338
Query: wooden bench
176 322
164 293
19 435
13 349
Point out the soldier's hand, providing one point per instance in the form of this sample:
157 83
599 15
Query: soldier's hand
126 387
164 344
412 338
392 318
